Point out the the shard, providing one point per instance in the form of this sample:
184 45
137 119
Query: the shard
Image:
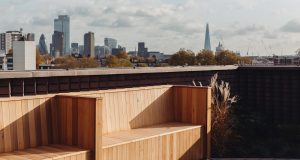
207 45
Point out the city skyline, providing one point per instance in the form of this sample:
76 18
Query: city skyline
249 25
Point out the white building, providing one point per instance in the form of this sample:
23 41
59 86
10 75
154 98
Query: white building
24 55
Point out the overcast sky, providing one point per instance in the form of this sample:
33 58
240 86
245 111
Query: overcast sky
262 26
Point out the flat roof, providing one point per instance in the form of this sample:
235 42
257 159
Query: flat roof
270 67
109 71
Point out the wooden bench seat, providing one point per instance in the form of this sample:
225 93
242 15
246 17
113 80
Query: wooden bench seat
164 141
156 122
134 135
51 152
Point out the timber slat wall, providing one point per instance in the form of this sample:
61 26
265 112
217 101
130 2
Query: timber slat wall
76 122
127 109
193 105
30 122
25 123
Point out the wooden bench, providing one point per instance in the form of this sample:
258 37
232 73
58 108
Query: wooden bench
47 152
49 127
159 122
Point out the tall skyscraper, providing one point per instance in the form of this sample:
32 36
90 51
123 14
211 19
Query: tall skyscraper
101 51
42 45
110 42
118 50
89 44
207 45
142 50
74 48
57 45
30 37
7 39
81 49
62 24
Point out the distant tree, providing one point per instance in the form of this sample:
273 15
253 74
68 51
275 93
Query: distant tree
245 60
143 65
137 59
10 51
114 62
183 57
38 58
206 57
122 55
150 60
227 58
67 62
46 59
87 62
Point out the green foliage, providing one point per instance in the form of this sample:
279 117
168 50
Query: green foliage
183 57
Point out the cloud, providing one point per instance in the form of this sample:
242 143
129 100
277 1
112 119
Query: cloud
270 35
182 27
41 21
109 23
238 31
292 26
249 29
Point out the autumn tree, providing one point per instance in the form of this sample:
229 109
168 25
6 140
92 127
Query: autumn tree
67 62
183 57
227 58
137 59
46 59
122 55
10 51
245 60
88 62
114 62
38 58
206 57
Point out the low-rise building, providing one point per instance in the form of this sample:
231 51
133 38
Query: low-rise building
286 60
24 55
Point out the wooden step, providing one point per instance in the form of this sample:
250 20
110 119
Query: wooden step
51 152
165 141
